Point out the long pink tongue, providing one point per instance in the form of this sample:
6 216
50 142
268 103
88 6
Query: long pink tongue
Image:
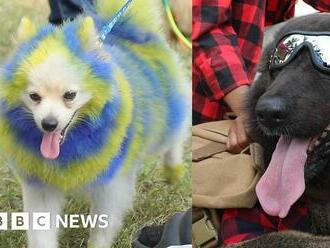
283 183
50 145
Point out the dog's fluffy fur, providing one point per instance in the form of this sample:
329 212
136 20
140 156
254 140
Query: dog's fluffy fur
130 99
307 95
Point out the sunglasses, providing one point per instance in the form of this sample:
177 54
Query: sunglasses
317 43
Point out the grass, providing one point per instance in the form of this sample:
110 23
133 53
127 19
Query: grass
155 201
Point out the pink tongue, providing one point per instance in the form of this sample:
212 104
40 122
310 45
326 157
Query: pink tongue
283 182
50 145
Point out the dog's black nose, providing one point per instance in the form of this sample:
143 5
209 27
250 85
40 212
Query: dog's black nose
49 124
271 111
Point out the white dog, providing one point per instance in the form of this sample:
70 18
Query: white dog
78 115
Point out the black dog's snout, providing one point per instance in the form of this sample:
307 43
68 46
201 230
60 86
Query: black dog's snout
49 124
271 111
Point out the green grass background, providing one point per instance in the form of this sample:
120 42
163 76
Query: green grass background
155 202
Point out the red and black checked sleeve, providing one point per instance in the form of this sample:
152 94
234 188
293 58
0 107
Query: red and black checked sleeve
227 37
320 5
282 10
279 11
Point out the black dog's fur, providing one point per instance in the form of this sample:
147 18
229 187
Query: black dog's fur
307 95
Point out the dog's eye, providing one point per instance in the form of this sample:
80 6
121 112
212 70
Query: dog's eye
35 97
69 95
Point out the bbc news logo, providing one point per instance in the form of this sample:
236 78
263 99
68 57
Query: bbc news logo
42 221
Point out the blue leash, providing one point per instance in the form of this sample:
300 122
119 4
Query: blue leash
108 27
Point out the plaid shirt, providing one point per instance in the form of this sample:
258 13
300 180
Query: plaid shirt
239 225
227 38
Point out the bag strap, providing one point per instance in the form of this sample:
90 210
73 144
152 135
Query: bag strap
208 151
204 229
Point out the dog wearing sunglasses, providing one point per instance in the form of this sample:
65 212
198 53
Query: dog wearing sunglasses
289 107
80 115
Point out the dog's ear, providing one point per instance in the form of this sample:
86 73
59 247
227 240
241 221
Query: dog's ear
26 30
88 33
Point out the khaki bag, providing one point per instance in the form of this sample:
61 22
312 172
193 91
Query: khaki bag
220 179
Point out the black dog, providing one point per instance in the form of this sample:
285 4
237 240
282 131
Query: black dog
294 101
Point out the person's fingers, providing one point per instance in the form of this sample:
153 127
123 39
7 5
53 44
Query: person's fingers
237 136
232 142
242 137
229 138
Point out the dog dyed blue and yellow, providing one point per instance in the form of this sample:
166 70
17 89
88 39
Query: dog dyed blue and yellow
138 97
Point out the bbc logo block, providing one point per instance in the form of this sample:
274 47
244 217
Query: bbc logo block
20 221
3 221
41 221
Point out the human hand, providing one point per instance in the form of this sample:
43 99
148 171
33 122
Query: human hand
237 136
